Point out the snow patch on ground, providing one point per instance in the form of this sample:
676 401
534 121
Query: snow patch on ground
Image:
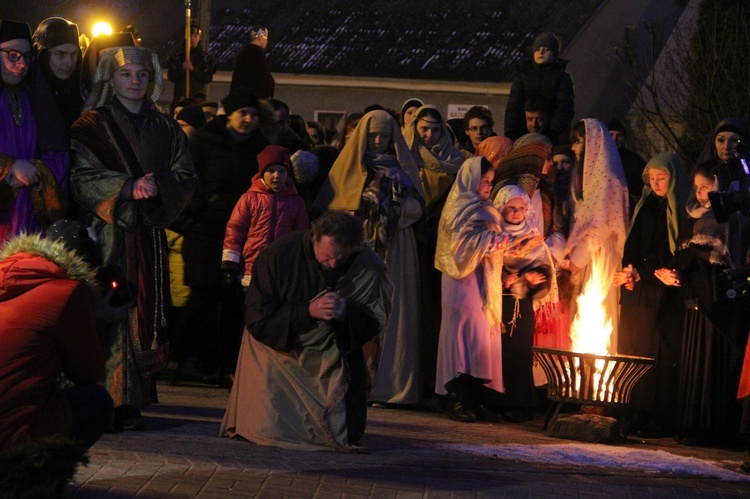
606 457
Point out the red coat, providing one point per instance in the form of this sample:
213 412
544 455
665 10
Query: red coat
260 217
47 328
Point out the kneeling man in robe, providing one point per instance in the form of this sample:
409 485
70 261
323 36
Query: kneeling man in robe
315 299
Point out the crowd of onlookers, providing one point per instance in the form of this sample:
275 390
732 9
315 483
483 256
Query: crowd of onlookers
488 238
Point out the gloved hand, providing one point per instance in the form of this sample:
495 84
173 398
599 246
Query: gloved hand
230 282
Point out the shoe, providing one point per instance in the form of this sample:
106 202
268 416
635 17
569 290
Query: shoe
127 418
133 424
484 413
457 411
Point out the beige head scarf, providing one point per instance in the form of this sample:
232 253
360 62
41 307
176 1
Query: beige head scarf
112 59
439 164
677 192
346 180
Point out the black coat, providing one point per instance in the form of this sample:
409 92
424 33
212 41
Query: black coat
549 83
204 67
225 169
251 70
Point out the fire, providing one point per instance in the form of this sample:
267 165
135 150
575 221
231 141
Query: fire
592 328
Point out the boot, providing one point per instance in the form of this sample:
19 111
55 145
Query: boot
461 399
457 411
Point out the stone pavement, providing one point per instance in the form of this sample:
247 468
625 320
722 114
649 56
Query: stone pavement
408 454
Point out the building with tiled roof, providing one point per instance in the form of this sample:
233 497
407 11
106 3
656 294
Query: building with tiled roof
342 55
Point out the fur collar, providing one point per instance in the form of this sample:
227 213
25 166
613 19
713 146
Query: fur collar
35 244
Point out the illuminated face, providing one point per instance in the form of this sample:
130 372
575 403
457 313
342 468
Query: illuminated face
275 177
429 132
409 115
378 142
578 146
543 55
195 39
63 59
618 137
726 145
478 130
536 122
514 211
16 58
327 253
130 82
244 120
659 181
485 184
704 185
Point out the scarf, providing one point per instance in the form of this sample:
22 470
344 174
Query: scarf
437 165
603 199
677 193
343 188
468 228
382 198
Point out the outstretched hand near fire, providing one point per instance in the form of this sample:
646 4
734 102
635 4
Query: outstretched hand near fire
670 277
628 276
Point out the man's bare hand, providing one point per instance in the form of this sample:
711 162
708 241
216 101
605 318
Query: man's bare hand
328 306
145 187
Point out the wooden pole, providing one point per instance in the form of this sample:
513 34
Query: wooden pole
187 46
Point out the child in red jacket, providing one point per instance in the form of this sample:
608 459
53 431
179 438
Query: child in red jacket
268 210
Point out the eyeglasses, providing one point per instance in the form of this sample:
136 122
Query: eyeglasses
475 129
15 55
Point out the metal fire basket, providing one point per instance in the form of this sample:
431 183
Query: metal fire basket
589 379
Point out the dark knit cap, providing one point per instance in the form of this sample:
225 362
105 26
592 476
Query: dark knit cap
274 155
241 97
193 116
74 235
563 149
55 31
13 30
549 40
728 127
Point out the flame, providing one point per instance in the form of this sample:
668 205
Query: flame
592 328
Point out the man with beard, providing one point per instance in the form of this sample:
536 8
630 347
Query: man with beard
315 298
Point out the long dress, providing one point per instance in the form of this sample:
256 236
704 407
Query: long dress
438 166
599 217
714 334
29 209
469 343
131 232
651 313
385 191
